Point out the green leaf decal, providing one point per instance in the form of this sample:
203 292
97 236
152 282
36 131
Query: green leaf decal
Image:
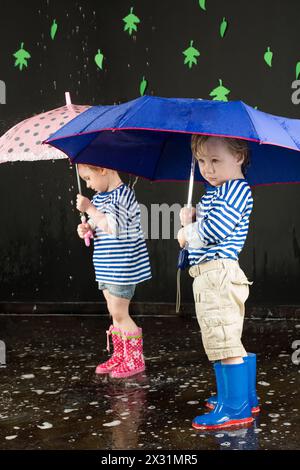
53 29
143 86
268 56
223 27
190 55
21 57
99 59
131 22
220 93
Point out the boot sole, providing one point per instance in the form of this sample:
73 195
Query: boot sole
230 424
255 410
127 374
108 371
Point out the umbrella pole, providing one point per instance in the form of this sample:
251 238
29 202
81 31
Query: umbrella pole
191 183
78 179
183 255
89 234
69 103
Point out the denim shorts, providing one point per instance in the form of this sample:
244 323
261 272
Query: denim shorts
118 290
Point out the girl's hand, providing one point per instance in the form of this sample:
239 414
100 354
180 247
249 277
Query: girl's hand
82 229
181 238
83 203
187 215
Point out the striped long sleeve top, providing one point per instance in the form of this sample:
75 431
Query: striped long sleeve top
222 222
120 257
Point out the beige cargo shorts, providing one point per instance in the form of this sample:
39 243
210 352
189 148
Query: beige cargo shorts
221 289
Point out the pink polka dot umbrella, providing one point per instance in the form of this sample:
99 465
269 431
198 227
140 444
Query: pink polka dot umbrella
23 142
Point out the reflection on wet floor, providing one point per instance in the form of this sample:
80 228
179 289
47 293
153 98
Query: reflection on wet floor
51 398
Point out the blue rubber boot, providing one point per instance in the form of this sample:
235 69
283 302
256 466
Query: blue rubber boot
232 408
212 401
251 363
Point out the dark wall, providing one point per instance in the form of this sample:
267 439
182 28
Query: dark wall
41 257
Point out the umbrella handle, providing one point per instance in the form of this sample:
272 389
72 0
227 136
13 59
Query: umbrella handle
88 234
190 194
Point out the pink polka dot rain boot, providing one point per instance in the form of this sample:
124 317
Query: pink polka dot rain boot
133 361
118 353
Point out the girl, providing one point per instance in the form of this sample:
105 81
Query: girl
120 261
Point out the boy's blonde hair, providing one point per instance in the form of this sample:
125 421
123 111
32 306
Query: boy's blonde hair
238 147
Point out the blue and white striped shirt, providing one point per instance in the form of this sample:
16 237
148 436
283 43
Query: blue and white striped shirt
121 257
222 222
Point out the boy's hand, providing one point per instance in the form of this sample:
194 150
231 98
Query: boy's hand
181 238
83 203
187 215
82 229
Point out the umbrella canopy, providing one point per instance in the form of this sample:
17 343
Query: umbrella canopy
24 140
150 137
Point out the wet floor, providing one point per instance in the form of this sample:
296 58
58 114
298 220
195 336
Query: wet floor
51 398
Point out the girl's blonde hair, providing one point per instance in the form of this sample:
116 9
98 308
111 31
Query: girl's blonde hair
237 147
91 167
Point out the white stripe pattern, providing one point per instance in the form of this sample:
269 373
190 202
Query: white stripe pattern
222 221
121 257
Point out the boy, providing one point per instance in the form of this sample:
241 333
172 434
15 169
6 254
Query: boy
220 286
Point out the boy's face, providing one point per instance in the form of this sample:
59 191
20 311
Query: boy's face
217 164
95 179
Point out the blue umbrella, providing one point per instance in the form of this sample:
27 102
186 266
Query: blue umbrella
150 137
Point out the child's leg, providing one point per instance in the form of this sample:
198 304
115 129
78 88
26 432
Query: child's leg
220 291
124 330
233 360
114 335
119 310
